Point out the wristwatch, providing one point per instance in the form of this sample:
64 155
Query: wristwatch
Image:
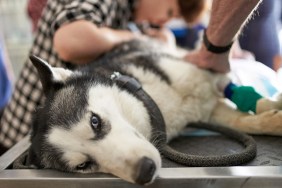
213 48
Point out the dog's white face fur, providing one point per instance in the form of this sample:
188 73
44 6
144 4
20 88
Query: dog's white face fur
116 148
90 124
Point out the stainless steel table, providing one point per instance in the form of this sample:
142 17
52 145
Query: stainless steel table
255 174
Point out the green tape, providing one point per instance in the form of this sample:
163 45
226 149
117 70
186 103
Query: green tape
245 97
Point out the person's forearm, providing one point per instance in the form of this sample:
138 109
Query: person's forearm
81 41
226 22
227 17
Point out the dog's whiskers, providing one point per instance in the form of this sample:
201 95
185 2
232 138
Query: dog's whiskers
158 138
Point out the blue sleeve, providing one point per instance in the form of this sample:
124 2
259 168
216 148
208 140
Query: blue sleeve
5 83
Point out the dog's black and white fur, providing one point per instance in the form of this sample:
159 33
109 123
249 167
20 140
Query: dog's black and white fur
90 124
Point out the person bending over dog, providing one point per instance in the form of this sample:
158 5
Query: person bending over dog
74 32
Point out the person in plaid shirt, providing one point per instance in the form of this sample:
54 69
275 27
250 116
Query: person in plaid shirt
73 32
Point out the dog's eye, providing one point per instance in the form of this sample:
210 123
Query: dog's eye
95 122
83 166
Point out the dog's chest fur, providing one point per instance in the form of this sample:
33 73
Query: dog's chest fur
183 92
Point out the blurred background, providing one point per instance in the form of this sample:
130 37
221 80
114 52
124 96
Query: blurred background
16 30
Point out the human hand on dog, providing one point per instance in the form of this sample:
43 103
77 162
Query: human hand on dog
208 60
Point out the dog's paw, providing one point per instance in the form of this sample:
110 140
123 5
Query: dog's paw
270 122
265 104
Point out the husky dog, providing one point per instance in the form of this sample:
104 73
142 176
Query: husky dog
90 124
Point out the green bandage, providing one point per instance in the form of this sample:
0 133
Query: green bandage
245 97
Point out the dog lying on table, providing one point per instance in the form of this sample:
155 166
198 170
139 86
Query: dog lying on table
91 124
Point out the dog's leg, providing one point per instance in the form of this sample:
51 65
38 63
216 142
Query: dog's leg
268 122
266 104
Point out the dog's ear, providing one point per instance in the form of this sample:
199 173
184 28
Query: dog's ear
50 77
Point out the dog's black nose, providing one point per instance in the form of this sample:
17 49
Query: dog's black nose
146 170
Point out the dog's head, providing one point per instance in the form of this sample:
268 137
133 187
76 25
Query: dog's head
88 124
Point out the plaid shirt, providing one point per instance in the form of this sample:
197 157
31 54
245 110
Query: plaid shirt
17 117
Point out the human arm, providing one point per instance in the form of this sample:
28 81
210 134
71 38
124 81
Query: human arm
227 17
82 41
